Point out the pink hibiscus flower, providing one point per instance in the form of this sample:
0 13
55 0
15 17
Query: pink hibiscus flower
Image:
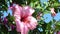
24 19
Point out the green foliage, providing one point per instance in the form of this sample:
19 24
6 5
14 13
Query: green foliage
10 18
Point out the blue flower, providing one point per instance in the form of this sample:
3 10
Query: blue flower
57 17
40 29
9 11
5 14
47 18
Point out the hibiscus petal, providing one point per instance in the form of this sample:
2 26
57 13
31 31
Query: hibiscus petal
26 29
27 11
17 14
32 22
16 10
23 28
18 27
31 11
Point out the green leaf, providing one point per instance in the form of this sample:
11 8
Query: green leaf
32 4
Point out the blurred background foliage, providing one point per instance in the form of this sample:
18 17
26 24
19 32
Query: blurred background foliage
41 8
